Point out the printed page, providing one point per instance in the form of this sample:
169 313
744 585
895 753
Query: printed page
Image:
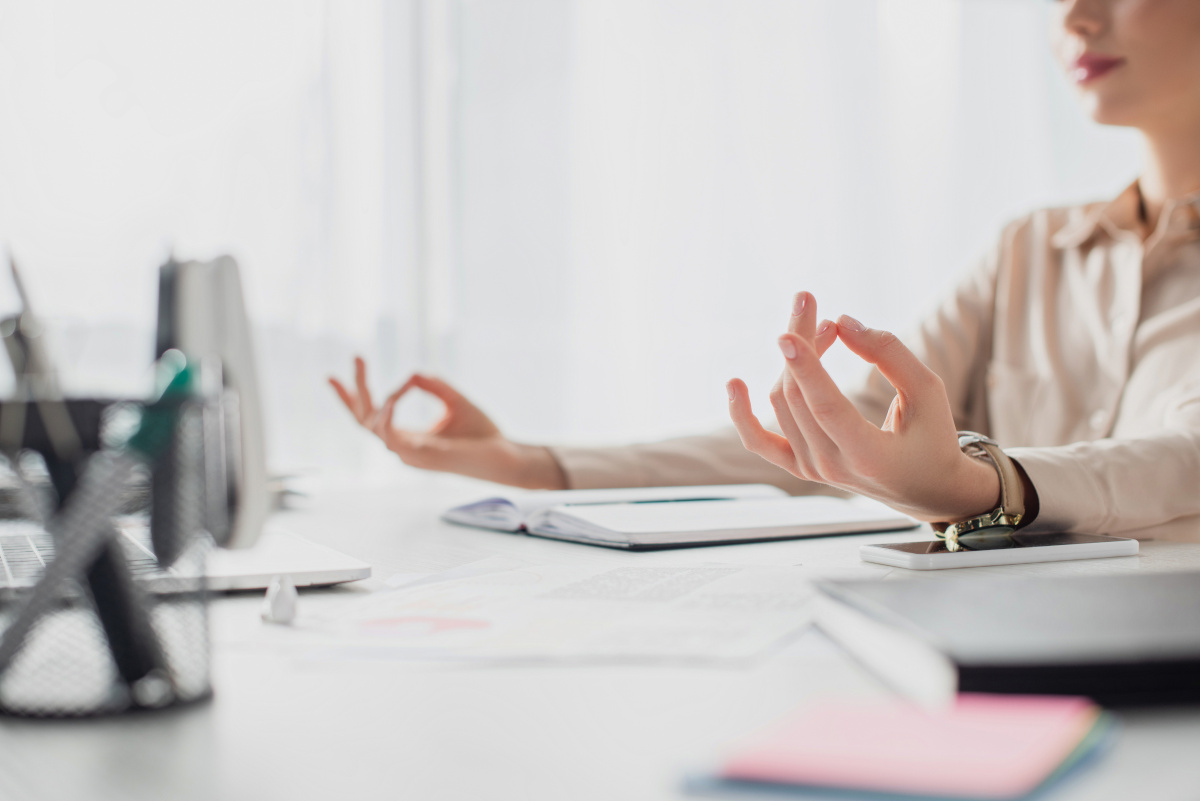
570 612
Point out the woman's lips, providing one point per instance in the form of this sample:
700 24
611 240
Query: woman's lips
1091 67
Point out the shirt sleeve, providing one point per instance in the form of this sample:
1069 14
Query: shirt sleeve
1119 486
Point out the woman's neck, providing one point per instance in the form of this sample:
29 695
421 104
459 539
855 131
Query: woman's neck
1172 170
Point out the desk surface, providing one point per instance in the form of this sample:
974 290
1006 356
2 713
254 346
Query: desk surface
282 729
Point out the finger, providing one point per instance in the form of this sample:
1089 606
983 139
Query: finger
822 451
899 365
404 445
454 405
831 410
382 424
826 335
366 409
436 453
429 453
804 316
787 424
441 390
756 439
344 394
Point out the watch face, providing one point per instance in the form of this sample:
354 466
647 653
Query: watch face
992 538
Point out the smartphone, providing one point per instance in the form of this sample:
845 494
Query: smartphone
1014 549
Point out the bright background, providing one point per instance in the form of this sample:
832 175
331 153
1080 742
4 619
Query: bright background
588 214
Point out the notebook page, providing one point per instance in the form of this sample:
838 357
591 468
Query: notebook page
683 517
536 502
510 512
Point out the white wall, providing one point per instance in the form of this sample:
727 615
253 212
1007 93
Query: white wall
588 213
645 183
276 130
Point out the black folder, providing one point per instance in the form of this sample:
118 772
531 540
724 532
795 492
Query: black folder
1129 639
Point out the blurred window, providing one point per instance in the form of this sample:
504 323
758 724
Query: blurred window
586 213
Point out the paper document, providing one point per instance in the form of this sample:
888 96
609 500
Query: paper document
574 612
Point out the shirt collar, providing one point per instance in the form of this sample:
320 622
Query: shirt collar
1117 218
1120 219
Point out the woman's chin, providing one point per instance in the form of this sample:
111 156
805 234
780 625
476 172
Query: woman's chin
1111 111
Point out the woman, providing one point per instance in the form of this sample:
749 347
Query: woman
1074 345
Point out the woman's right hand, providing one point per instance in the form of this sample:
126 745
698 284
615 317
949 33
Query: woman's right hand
464 441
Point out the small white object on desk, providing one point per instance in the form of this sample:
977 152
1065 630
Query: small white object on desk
279 606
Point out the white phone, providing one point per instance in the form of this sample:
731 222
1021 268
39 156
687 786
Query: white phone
1018 549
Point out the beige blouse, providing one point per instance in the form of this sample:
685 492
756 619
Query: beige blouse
1074 344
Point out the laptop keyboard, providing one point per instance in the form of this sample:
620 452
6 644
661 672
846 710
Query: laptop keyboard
24 556
25 549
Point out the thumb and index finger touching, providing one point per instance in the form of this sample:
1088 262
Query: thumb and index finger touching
360 402
899 365
878 347
803 323
881 348
453 400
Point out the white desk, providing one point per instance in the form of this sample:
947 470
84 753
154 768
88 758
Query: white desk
281 730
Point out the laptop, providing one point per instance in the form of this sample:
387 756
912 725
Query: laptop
25 548
201 312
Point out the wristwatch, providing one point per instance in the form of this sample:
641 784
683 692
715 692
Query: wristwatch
989 530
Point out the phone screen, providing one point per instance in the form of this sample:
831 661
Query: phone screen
1017 540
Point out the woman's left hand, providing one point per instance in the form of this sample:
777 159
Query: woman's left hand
913 463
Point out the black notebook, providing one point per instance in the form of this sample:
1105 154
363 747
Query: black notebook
1118 639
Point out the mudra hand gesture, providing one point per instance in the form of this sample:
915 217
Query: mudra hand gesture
464 441
912 463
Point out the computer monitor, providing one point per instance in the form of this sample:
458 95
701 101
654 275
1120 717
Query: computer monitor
201 312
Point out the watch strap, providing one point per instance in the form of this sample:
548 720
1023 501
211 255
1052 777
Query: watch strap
1012 490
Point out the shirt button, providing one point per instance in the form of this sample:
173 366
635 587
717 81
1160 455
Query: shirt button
1099 419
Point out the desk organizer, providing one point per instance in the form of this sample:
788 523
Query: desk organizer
124 625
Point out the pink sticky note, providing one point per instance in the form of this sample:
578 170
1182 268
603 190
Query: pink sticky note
984 746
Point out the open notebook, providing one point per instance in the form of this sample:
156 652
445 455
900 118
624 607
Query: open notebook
673 517
511 512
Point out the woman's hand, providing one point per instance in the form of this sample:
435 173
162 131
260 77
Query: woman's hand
913 463
464 441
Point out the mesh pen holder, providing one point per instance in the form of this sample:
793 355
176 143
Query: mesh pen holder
125 627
